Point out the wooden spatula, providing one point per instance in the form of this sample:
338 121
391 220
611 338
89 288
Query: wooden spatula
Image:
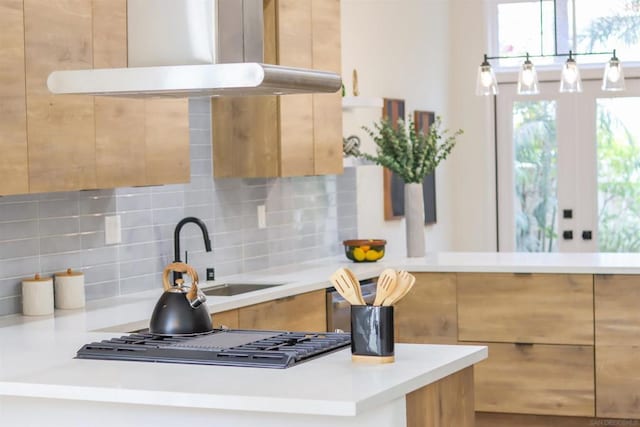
356 284
386 285
341 280
404 285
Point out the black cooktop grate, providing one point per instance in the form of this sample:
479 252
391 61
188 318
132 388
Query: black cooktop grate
264 349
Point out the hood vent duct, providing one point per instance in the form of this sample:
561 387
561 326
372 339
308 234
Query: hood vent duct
194 48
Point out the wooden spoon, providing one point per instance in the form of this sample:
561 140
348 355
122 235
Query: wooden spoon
386 285
404 285
341 280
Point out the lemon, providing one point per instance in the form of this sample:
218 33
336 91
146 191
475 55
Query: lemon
372 255
358 254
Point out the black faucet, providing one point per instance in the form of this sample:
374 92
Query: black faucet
176 240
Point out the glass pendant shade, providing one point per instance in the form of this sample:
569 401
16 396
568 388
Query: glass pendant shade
613 79
570 80
528 79
486 83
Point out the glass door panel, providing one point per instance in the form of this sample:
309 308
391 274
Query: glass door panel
536 177
618 139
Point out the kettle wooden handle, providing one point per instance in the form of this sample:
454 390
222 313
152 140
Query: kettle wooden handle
181 267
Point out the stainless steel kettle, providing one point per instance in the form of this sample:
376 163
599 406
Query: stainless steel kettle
181 309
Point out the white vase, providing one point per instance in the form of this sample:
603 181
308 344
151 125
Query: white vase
414 217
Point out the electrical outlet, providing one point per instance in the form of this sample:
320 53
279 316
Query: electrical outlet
262 216
112 230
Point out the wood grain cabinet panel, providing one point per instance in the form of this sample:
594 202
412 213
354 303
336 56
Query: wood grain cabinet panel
428 313
60 129
292 135
327 108
484 419
228 319
304 312
536 379
120 132
14 167
617 326
526 308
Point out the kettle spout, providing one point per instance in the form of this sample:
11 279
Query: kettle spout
198 300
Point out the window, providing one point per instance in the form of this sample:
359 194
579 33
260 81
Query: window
521 26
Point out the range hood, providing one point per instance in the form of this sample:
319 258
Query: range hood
182 48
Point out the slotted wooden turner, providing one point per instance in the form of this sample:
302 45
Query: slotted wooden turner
403 286
341 280
386 285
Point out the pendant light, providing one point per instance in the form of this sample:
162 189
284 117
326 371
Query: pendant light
570 81
486 83
613 79
528 79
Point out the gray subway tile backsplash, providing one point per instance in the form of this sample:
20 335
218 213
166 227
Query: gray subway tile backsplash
46 233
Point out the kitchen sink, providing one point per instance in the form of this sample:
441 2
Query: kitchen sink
230 289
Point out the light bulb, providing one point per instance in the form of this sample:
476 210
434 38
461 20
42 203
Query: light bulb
486 78
570 75
613 74
527 77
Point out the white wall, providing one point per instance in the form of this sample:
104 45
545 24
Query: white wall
401 50
472 164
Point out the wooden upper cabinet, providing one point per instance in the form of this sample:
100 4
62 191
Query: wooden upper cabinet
73 142
14 167
327 108
120 133
526 308
60 129
292 135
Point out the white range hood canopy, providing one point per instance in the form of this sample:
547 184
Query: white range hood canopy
183 48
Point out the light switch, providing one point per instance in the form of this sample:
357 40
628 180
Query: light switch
112 230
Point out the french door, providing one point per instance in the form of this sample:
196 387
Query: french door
569 169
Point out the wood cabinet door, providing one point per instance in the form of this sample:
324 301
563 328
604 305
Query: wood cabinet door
60 129
303 313
427 314
617 320
294 19
526 308
120 146
327 108
536 379
228 319
166 134
14 167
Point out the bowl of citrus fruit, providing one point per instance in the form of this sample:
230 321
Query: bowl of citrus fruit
369 250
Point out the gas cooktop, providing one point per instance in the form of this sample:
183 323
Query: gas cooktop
229 347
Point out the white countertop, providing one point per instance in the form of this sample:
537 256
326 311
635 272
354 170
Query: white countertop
36 354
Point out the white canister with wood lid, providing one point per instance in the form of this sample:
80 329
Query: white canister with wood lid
69 286
37 296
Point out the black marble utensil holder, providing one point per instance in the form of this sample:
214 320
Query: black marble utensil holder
372 334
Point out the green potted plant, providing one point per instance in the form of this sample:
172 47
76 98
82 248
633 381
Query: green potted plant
411 154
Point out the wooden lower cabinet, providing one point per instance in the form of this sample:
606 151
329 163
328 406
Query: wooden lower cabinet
485 419
526 308
446 403
428 313
304 312
227 319
536 379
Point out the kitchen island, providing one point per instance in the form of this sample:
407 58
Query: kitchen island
39 379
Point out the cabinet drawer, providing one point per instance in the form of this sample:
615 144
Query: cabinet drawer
526 308
617 298
617 381
536 379
305 313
